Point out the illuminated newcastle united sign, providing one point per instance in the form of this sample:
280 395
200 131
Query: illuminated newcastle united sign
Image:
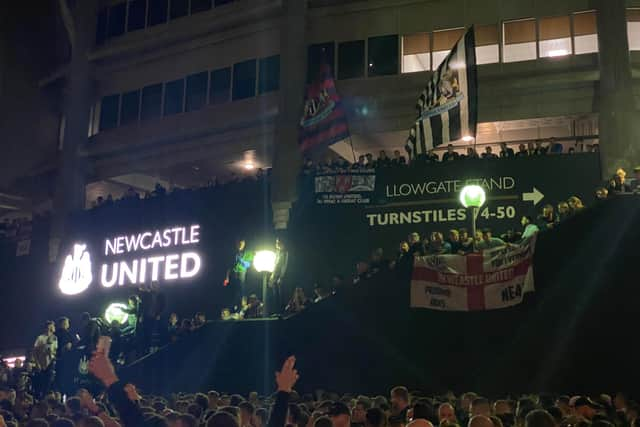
148 257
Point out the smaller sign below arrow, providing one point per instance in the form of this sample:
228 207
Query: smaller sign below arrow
535 196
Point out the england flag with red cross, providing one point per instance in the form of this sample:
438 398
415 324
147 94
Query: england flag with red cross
491 279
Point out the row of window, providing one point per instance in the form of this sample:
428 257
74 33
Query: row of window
518 40
191 93
132 15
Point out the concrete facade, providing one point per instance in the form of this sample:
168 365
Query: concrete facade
602 88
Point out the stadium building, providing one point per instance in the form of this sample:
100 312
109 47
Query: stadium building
183 92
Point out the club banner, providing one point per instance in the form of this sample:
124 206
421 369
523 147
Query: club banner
324 121
493 279
447 107
346 188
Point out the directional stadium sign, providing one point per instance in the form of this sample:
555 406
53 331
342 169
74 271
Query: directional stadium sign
429 195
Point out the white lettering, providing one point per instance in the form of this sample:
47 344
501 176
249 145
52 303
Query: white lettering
185 272
143 245
119 245
131 273
132 243
155 261
107 283
170 267
195 234
109 247
157 240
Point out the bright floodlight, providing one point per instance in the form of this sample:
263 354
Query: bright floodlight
472 196
467 138
264 261
116 312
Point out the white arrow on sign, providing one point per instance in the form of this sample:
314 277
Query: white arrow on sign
535 196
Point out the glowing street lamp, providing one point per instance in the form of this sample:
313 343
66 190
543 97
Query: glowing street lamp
473 196
264 262
116 311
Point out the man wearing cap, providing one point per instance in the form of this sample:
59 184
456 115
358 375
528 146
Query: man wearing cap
340 415
586 408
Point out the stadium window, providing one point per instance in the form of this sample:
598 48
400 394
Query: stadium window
178 9
173 97
117 16
137 12
585 32
318 54
109 112
220 86
130 108
382 55
222 2
351 59
487 44
519 40
269 74
101 26
633 28
443 42
157 12
200 6
151 102
196 91
554 36
416 53
244 79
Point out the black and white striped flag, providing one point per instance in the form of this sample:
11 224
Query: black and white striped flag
448 105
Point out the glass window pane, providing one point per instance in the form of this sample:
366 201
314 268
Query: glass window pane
382 55
109 112
322 53
486 35
173 97
101 26
196 91
136 18
633 28
443 42
220 86
178 9
519 40
269 74
351 59
244 79
200 5
487 54
553 48
585 32
555 36
415 52
117 14
157 13
151 102
415 63
487 49
130 107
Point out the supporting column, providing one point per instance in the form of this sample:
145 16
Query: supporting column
293 65
619 128
70 186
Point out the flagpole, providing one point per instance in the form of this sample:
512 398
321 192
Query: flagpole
353 152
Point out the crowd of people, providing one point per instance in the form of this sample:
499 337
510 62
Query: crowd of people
131 194
397 159
118 403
